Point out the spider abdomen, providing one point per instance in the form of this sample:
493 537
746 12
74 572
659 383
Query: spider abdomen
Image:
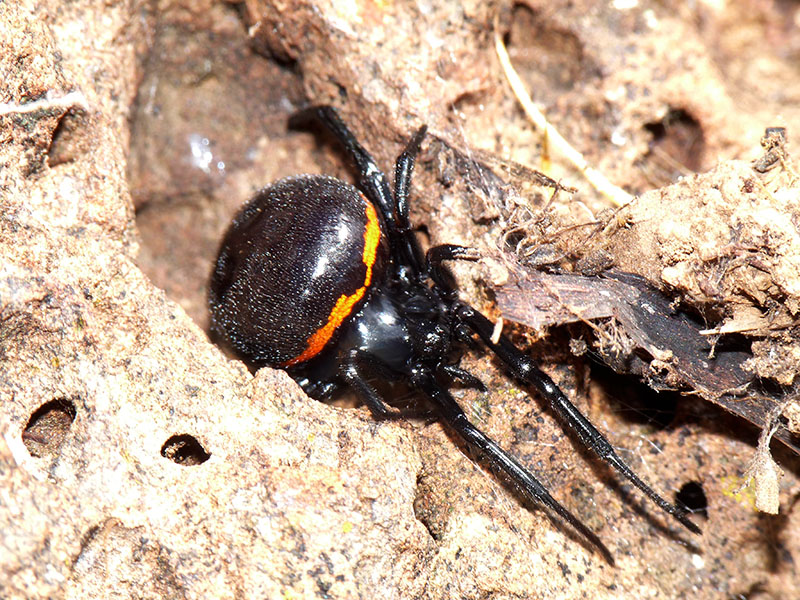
296 263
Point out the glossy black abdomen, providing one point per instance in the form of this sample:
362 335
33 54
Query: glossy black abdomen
296 263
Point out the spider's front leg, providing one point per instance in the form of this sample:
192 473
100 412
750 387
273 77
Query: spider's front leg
524 369
438 254
499 459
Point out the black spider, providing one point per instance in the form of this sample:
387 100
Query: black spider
331 284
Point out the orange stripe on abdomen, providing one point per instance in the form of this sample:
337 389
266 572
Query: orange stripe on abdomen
345 304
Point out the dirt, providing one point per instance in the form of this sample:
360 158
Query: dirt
139 459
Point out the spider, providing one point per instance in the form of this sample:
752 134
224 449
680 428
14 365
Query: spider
329 282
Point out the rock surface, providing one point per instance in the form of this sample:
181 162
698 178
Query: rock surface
138 460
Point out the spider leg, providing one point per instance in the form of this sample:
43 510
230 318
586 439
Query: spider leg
438 254
524 369
354 370
320 390
403 170
373 182
464 377
498 458
466 336
371 178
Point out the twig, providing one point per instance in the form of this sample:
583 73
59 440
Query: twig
616 194
70 100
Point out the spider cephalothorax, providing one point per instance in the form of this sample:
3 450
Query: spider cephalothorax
329 282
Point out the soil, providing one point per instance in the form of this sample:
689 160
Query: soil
139 458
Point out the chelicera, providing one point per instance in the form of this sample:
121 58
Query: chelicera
329 282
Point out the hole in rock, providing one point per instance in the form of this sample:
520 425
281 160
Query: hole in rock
635 401
429 508
67 143
48 426
184 449
692 497
677 147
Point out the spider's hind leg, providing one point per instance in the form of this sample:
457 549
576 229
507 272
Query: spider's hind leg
371 180
403 169
358 369
354 371
394 208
